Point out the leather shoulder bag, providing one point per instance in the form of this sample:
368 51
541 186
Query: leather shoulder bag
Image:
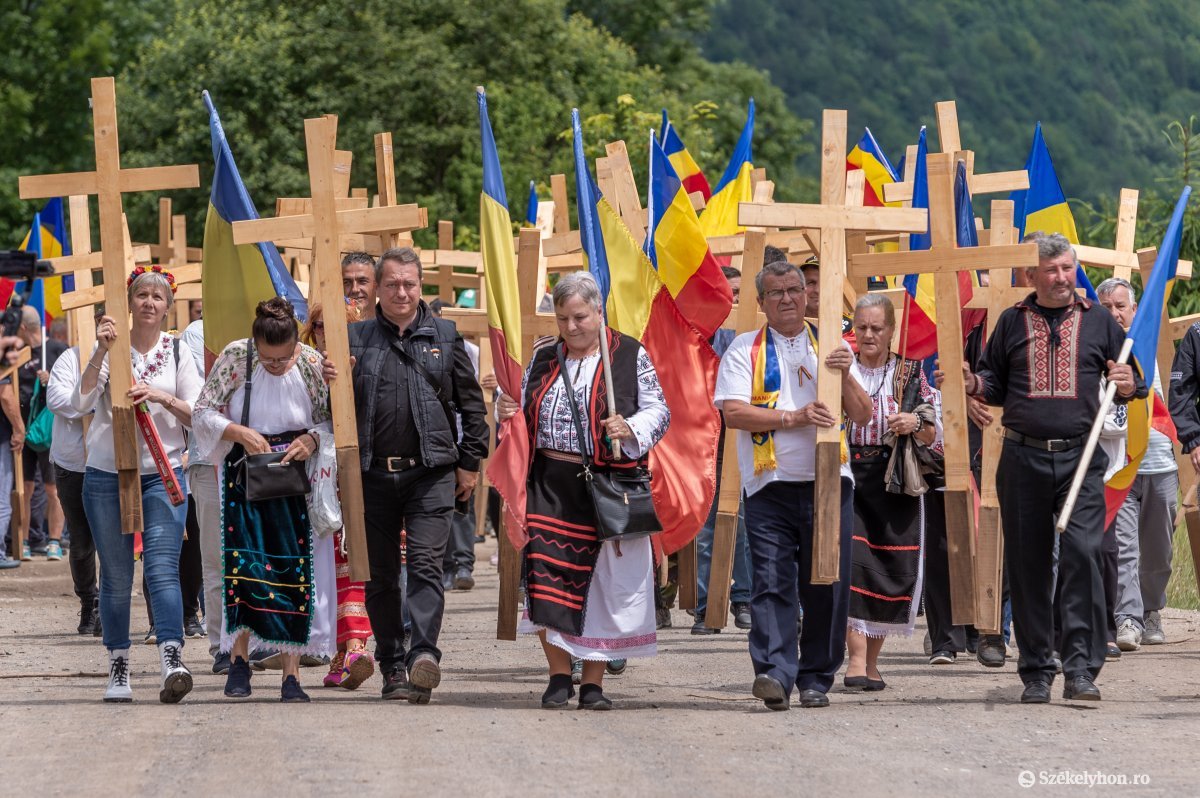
264 476
621 500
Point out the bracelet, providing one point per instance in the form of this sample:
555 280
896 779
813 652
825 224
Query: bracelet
171 404
783 418
92 365
920 425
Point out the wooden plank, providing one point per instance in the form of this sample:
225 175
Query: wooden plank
931 262
897 220
562 211
562 244
1127 208
947 124
396 218
1147 255
629 204
999 182
445 235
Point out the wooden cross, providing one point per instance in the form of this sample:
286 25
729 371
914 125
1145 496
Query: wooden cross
325 225
385 178
944 260
109 182
834 220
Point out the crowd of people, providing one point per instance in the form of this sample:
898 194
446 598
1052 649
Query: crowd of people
268 571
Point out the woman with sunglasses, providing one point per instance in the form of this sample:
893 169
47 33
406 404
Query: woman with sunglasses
278 589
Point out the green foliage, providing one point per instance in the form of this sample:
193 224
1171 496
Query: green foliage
408 66
1103 76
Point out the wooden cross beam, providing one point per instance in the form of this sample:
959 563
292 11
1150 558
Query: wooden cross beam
325 225
385 179
834 219
944 260
109 182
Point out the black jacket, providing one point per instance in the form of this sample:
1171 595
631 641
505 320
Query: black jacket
1184 393
431 337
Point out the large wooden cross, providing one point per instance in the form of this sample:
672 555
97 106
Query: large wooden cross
834 220
944 260
109 182
326 225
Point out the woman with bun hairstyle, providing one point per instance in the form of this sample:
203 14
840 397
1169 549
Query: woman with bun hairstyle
168 384
278 587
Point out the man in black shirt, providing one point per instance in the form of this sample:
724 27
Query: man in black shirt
412 376
1045 364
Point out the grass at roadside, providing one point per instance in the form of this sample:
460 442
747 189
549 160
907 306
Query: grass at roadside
1181 590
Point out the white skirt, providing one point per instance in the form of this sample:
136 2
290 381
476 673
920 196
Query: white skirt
618 619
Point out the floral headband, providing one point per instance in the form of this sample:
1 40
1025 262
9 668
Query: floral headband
155 269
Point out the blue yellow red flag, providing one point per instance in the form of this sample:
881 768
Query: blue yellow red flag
720 214
689 171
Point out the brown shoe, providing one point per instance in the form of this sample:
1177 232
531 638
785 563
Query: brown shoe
425 671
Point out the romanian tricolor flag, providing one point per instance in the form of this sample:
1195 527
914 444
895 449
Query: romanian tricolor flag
638 304
685 166
47 238
1149 413
868 156
236 278
679 251
509 465
721 213
1043 206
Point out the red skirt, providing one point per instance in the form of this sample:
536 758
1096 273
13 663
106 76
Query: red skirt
352 621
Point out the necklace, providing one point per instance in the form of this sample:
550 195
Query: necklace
883 377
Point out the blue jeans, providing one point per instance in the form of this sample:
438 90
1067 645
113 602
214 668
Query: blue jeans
162 539
740 594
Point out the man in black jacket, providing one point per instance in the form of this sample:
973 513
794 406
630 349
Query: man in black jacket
411 376
1044 364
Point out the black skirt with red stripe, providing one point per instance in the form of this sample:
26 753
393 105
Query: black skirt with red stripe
560 557
885 565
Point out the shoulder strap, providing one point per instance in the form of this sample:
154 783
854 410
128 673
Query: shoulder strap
562 367
175 346
246 395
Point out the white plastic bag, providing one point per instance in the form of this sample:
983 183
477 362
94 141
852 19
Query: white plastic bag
324 508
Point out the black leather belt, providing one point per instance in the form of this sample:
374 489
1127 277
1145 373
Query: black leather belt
394 465
1052 445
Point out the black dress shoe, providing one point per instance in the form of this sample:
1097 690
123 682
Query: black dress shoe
741 615
1112 651
812 699
772 693
991 652
855 682
1036 693
874 685
1081 688
698 628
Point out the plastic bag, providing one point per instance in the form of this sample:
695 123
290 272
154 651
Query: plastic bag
324 508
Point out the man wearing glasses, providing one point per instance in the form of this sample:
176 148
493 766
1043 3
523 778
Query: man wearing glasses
767 390
411 377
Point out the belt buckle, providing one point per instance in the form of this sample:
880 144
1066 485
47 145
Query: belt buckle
1056 445
397 464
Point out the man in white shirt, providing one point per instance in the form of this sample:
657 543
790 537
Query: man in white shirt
779 432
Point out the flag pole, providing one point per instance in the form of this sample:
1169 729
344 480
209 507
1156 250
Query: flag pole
1089 448
610 394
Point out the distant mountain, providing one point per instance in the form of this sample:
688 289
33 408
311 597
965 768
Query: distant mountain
1105 78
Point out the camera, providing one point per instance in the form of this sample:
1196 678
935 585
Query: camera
24 266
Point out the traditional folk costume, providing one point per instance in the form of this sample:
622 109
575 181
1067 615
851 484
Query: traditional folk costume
594 601
778 470
279 580
887 563
1045 366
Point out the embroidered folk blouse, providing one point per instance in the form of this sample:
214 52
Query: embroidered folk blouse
879 383
556 429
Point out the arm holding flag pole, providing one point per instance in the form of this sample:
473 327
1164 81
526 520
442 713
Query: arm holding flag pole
1089 448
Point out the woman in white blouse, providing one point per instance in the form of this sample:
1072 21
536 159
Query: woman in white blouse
279 587
586 600
168 384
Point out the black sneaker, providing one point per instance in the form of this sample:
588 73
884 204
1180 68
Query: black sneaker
88 615
99 630
221 663
616 667
943 658
990 652
193 628
395 685
237 682
698 628
292 693
463 580
591 696
741 615
559 692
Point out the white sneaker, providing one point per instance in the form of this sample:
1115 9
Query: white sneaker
118 690
1154 632
176 678
1129 636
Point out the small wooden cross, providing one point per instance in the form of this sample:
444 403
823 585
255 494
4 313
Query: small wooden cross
325 225
109 182
834 220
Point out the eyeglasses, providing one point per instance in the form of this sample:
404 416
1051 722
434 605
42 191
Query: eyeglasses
777 294
275 361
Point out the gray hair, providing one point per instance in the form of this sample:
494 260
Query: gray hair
30 319
358 257
1112 284
1051 245
877 301
154 279
779 268
580 284
403 255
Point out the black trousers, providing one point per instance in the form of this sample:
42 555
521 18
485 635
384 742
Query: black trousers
83 548
945 636
1033 486
779 529
421 502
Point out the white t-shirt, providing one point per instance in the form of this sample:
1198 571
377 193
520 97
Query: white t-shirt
795 449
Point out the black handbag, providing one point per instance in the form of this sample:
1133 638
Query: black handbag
621 500
263 476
